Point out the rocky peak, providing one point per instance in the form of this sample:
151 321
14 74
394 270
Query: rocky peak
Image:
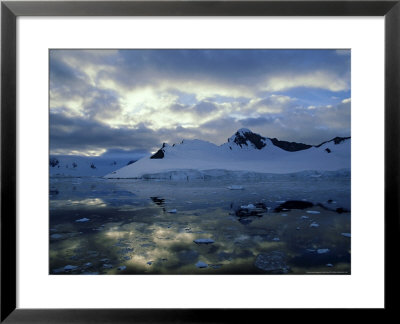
245 137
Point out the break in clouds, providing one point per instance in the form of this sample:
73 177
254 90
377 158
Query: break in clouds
131 101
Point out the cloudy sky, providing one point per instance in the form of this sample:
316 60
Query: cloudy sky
131 101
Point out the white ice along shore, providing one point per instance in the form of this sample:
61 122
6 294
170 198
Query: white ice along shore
85 166
245 154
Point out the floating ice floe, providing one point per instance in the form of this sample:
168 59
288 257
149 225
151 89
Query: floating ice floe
304 217
107 266
314 224
201 264
346 234
282 214
56 236
70 267
172 211
249 206
322 251
88 264
121 268
82 220
313 212
329 265
276 239
235 187
203 241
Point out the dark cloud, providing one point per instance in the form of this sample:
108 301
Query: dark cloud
232 66
67 81
201 108
102 104
178 107
132 68
260 121
79 134
205 107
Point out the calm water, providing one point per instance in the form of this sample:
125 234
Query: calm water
281 225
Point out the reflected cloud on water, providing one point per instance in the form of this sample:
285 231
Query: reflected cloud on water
129 229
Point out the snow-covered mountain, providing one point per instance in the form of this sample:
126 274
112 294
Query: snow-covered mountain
244 152
85 166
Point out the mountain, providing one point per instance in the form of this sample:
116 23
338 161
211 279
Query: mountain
244 152
85 166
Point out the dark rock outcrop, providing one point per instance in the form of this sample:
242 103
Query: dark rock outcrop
336 141
293 204
159 154
290 146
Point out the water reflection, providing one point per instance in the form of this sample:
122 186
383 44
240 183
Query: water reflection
129 230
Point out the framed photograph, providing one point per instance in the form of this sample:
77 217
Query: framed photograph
173 155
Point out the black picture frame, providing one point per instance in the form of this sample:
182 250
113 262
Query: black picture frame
10 10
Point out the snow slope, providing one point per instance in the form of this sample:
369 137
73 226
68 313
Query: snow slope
245 152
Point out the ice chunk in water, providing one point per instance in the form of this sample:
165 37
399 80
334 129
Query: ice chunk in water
249 206
82 220
235 187
203 241
201 264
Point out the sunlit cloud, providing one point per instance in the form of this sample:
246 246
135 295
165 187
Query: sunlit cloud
315 79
